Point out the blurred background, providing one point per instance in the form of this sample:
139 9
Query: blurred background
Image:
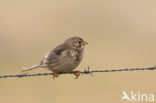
120 33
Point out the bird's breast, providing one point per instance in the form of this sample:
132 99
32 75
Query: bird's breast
72 59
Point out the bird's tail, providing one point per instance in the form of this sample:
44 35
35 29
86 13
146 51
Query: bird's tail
33 67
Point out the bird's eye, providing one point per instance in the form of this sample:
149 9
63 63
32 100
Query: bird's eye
80 42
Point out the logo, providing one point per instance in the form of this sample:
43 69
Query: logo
137 97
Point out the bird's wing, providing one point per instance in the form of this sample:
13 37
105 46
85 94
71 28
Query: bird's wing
55 57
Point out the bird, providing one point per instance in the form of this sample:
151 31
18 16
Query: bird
63 58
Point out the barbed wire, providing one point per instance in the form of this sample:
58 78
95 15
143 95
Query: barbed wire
88 71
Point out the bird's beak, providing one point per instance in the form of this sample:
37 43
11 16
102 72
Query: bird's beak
84 43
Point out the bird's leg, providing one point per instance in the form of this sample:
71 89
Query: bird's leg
76 73
55 74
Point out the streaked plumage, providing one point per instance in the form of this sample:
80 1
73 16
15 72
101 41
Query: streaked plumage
65 57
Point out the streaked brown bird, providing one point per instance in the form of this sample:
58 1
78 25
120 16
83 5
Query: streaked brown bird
64 58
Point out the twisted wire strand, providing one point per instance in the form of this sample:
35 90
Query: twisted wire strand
88 71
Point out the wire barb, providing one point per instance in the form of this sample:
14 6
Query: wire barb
88 71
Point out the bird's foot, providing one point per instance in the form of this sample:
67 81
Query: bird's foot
76 73
55 75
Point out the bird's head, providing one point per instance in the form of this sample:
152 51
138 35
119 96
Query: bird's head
76 42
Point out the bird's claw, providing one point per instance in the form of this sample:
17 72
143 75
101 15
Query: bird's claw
77 74
55 75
